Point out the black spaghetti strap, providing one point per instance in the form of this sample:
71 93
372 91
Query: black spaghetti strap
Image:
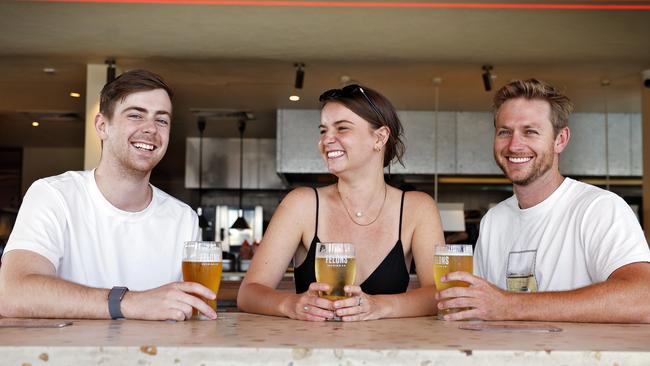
316 230
401 210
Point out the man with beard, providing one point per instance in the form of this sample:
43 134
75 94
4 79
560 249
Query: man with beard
580 246
106 243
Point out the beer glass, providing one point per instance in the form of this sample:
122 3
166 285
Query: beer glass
451 258
335 266
202 264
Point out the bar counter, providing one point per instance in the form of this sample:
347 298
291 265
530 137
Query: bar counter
246 339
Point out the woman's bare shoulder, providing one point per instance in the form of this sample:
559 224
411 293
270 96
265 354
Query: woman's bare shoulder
301 193
299 199
419 200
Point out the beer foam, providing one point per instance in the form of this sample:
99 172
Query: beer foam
331 255
203 260
455 250
454 254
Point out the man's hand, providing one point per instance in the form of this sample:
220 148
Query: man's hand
173 301
487 302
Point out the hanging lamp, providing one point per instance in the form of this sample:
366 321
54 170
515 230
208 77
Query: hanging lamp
240 223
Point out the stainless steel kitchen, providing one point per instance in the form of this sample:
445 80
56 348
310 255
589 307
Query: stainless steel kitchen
244 137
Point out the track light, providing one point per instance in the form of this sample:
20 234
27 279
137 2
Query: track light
645 77
110 70
300 75
487 77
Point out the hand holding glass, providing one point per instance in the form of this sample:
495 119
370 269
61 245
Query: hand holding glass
451 258
202 263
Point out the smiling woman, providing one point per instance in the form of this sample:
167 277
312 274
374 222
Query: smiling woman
360 134
379 114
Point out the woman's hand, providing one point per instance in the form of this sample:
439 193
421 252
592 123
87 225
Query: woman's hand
359 306
308 306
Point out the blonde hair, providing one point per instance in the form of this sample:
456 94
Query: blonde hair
561 105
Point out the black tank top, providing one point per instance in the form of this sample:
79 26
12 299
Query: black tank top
390 277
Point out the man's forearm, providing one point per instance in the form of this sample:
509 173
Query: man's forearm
43 296
612 301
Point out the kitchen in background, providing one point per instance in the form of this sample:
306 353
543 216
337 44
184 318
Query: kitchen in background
250 59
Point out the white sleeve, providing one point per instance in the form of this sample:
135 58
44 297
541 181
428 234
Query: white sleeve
196 231
612 237
41 223
479 254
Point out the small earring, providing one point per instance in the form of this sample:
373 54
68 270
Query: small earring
377 148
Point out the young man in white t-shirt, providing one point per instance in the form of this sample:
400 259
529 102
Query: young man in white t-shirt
106 243
567 251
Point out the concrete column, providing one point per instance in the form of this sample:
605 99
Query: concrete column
95 81
645 126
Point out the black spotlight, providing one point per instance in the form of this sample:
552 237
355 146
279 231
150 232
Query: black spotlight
487 77
300 75
110 70
645 76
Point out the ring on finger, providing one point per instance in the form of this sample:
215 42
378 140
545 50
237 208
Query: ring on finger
305 308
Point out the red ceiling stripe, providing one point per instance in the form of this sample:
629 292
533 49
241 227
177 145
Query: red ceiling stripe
370 4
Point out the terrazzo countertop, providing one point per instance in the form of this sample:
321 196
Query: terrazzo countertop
246 339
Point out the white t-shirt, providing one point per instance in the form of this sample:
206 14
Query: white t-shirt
577 237
67 220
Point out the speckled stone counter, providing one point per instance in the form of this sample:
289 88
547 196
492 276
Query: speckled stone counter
245 339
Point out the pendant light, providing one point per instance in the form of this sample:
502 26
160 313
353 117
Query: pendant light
604 83
240 223
436 88
203 222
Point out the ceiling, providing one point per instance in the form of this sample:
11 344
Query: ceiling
241 56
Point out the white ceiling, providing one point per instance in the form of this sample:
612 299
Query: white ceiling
227 56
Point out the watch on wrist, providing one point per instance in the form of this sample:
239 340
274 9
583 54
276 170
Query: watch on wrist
115 296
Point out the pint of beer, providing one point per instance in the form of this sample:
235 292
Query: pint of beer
451 258
335 266
202 264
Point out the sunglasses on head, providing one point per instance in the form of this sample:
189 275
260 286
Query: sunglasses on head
348 92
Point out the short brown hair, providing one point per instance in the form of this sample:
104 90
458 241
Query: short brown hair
128 83
561 105
377 110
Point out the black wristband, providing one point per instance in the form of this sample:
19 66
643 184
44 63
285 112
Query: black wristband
115 296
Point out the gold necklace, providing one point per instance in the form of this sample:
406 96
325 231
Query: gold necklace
360 213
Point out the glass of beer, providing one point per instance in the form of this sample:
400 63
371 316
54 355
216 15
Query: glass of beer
335 266
202 264
451 258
